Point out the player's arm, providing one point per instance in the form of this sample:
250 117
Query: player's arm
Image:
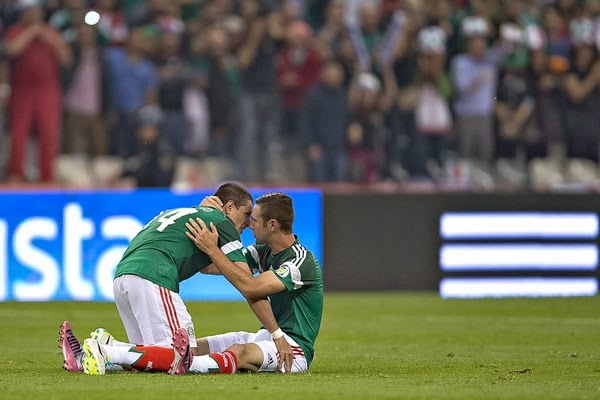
211 270
262 308
250 287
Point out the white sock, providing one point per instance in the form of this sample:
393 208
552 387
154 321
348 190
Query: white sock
120 355
203 364
117 343
113 353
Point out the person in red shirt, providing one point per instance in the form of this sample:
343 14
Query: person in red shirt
298 68
36 52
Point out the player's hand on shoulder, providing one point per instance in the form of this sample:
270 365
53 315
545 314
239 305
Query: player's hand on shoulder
212 201
205 237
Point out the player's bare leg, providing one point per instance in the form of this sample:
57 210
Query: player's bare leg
249 356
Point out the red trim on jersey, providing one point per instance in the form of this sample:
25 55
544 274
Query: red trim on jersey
166 308
296 350
170 310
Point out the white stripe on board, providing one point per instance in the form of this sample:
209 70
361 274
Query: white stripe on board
517 287
498 257
478 225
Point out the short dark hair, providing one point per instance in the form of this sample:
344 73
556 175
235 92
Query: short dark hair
277 206
234 192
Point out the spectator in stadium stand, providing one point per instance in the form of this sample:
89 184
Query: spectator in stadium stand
367 135
169 19
328 36
37 52
549 59
517 132
210 12
433 118
298 67
153 163
323 121
333 40
364 137
112 27
474 76
345 54
144 12
258 144
369 19
134 84
86 96
461 9
582 86
221 91
175 74
400 119
195 101
68 17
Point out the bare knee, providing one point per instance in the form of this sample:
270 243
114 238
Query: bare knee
249 356
202 347
239 350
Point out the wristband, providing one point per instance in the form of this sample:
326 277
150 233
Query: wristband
277 334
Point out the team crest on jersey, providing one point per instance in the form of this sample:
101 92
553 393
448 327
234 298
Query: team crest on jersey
282 271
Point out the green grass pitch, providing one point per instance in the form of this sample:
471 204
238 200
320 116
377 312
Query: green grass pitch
371 346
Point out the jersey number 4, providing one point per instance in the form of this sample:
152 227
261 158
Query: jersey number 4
170 217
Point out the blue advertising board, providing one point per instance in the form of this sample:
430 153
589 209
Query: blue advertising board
65 245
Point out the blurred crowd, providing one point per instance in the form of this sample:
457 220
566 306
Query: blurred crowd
179 92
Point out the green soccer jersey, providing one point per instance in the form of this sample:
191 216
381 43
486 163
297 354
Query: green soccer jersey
299 308
164 255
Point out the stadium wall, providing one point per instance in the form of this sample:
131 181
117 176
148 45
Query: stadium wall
64 245
395 241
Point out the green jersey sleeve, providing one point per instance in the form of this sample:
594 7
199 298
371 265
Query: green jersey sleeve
229 242
299 271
